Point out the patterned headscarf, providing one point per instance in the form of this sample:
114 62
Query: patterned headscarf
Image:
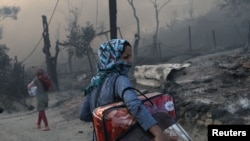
110 61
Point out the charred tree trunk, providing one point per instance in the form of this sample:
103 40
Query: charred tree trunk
155 36
50 61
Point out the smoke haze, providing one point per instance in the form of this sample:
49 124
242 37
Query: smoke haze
23 34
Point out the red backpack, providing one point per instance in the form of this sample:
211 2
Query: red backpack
46 82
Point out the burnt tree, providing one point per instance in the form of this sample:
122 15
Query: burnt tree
136 36
51 62
155 36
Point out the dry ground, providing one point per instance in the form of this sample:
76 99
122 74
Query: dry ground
21 126
62 117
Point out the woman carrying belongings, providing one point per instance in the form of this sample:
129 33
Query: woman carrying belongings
115 58
43 84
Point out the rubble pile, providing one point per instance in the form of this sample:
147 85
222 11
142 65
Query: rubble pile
213 89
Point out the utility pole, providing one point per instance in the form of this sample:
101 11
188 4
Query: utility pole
112 19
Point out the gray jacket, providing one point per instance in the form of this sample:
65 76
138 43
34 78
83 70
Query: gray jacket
110 93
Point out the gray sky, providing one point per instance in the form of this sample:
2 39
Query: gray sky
22 35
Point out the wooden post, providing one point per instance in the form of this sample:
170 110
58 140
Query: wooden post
248 39
112 19
214 39
159 50
190 40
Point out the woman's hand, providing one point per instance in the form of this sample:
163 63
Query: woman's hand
31 84
159 135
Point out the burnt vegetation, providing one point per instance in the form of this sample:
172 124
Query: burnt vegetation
14 79
12 74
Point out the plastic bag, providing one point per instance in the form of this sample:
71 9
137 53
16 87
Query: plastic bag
177 131
32 91
113 122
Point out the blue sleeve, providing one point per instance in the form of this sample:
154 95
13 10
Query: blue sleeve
85 112
134 105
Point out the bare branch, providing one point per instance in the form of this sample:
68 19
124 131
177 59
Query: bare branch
164 5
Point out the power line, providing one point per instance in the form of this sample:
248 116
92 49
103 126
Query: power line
41 36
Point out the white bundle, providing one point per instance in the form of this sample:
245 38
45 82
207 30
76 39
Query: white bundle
32 91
